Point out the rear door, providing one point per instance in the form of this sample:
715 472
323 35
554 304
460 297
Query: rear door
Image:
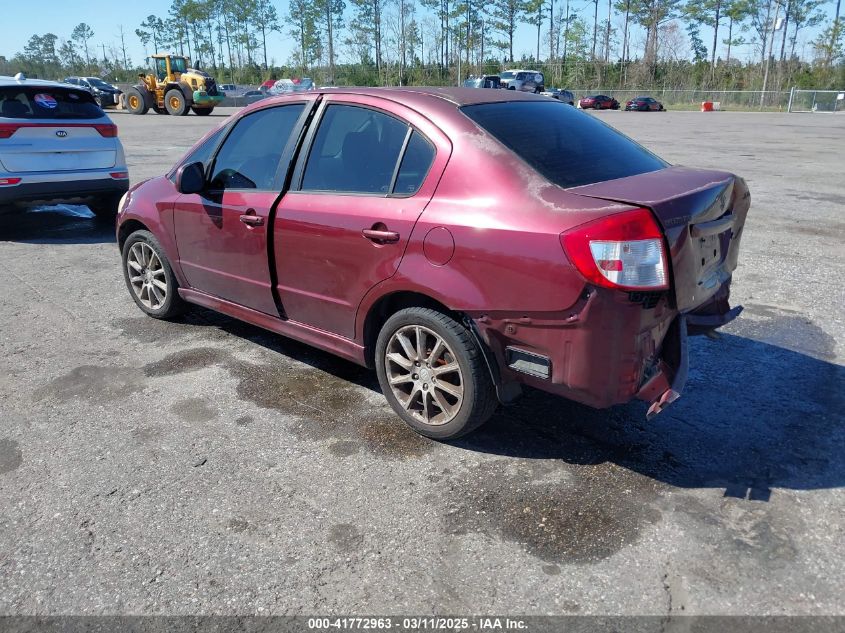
369 168
53 129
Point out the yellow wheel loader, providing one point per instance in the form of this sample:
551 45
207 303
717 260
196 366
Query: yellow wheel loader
174 88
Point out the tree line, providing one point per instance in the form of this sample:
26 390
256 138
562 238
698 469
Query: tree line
642 43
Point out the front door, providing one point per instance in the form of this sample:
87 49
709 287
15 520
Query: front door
221 233
365 178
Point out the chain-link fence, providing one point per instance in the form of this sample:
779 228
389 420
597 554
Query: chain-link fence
816 100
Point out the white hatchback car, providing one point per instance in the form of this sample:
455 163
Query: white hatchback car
57 145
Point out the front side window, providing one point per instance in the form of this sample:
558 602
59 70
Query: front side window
177 65
249 157
567 147
205 151
355 150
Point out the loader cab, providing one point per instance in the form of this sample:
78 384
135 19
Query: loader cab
167 67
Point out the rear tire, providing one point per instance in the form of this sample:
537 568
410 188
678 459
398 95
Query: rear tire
135 102
175 102
201 111
145 269
435 403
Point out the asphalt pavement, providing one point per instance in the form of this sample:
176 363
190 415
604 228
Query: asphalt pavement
207 466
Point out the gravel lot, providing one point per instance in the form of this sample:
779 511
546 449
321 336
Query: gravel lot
210 467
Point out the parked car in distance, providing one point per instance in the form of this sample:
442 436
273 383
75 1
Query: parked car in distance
560 94
57 145
228 87
644 104
598 102
354 220
485 81
286 86
104 93
252 96
523 80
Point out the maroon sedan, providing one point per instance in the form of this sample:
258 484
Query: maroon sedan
356 220
644 104
599 102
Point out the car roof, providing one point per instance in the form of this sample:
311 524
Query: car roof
420 95
11 81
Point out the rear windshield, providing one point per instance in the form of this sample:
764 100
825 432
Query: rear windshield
568 147
47 102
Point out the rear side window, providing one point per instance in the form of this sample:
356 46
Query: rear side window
415 165
355 150
47 102
567 147
249 157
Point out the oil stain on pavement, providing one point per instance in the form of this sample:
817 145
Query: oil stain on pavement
11 457
558 514
93 382
338 404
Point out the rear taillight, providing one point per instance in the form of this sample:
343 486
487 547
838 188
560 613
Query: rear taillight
7 129
109 130
624 251
5 182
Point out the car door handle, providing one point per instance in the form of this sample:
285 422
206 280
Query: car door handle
251 219
381 236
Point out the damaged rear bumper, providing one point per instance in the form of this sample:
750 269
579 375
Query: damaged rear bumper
608 349
667 384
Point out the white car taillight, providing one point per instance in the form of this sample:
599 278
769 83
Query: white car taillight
635 264
623 251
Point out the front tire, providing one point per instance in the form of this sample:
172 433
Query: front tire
433 374
149 277
135 102
175 102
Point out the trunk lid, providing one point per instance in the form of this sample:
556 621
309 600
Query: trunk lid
49 146
702 213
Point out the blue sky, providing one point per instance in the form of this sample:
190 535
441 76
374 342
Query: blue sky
104 16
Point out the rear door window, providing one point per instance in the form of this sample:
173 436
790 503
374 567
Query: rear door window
249 157
569 148
415 165
355 150
47 102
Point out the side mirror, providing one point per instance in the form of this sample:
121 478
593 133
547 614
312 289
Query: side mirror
190 178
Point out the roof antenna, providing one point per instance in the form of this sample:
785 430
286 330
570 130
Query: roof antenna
20 77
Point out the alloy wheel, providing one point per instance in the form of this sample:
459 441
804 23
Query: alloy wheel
146 275
424 374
